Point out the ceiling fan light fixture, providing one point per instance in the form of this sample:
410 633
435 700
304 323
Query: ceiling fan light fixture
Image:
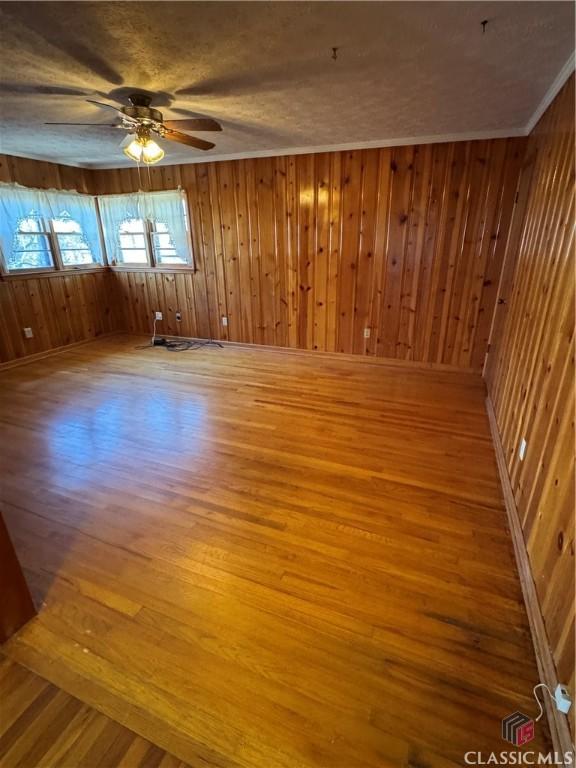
152 152
143 149
134 150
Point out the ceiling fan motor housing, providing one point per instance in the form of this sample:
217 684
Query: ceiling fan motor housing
140 109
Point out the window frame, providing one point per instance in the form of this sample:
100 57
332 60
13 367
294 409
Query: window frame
151 264
134 265
45 232
57 250
58 265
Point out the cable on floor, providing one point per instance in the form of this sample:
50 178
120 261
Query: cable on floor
174 345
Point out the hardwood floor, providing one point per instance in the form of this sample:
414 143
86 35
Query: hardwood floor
41 725
265 559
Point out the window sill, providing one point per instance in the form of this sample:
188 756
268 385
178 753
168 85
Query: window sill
41 274
148 268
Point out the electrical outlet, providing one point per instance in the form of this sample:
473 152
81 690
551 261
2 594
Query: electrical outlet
28 333
562 697
366 333
158 315
522 450
224 320
179 316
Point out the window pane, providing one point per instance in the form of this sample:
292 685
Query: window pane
134 256
132 241
67 225
71 258
30 251
165 251
170 259
71 241
132 225
163 240
32 224
74 247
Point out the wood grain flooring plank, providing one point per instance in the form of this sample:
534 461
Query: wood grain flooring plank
258 558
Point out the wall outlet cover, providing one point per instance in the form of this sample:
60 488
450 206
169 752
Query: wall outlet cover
178 316
522 449
224 320
28 333
562 697
366 333
158 315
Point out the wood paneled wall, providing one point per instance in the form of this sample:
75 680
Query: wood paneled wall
530 374
309 251
35 173
62 308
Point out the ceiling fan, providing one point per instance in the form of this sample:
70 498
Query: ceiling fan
142 121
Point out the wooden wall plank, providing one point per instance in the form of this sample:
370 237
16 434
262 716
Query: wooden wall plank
530 371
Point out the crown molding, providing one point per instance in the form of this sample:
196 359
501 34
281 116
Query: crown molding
551 93
504 133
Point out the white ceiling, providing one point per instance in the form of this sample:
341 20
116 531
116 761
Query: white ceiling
404 71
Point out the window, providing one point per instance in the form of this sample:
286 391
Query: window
73 246
163 245
50 230
31 245
47 230
146 228
132 241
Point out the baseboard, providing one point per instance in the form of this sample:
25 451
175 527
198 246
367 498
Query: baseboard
357 358
558 722
54 351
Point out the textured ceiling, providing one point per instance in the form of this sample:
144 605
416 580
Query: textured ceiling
404 70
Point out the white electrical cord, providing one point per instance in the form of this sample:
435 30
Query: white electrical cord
542 685
152 340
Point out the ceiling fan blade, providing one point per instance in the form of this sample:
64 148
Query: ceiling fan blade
191 141
43 90
194 124
103 104
98 125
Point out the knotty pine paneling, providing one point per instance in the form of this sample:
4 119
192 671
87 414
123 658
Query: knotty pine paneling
61 308
35 173
308 251
530 374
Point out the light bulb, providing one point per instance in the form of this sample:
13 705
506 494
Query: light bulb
151 152
134 150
